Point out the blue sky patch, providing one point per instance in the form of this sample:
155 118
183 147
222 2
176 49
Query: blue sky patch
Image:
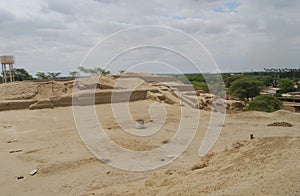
227 7
231 6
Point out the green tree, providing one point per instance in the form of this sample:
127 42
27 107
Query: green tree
266 80
53 74
265 103
82 69
245 88
74 74
101 71
229 79
93 71
41 75
286 85
195 77
21 74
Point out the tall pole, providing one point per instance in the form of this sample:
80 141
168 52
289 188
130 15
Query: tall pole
13 72
4 73
10 72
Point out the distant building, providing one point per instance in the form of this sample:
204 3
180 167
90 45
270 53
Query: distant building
270 90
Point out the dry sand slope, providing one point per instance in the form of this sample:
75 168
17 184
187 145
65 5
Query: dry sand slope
267 165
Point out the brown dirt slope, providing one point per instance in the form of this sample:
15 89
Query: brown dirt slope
264 166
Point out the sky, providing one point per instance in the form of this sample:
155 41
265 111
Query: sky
59 36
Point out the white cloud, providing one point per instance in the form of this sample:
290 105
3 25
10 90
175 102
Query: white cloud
242 35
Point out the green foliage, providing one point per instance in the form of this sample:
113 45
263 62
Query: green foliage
217 89
74 74
21 74
196 77
201 85
41 75
93 71
290 73
265 80
278 95
269 77
286 85
199 81
264 103
183 79
245 88
259 106
229 79
53 74
105 72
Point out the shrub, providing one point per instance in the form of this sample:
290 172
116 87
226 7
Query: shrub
201 85
264 103
286 85
245 88
278 95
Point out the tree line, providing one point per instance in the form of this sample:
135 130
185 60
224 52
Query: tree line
21 74
247 86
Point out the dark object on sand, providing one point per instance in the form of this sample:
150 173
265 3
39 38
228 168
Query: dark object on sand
280 124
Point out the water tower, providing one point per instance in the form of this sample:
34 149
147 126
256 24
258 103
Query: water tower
8 74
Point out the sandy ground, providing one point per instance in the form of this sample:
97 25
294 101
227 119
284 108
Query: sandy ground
267 165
